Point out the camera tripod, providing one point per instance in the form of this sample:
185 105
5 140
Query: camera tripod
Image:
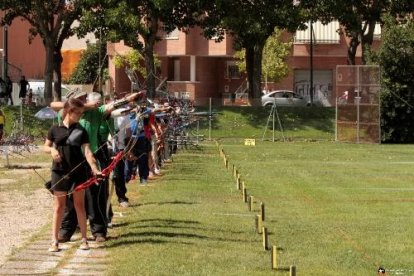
273 113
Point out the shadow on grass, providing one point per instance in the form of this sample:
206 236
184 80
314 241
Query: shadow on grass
120 224
165 226
23 167
178 202
169 221
149 241
153 237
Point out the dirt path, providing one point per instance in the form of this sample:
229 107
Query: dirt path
23 214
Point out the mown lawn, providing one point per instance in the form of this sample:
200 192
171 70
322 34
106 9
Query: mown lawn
331 209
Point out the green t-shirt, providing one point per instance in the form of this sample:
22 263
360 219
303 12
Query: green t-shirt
91 121
106 127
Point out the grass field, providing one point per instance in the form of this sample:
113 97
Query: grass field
331 209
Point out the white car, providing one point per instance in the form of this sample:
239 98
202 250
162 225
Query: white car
283 98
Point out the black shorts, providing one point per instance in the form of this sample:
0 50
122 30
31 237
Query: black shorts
63 183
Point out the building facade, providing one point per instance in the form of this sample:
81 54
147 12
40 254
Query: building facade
194 67
198 68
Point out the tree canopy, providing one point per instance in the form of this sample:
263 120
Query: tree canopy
275 52
52 21
358 19
252 23
132 21
396 57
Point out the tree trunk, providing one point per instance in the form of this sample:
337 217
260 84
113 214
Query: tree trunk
57 75
257 71
352 49
366 41
249 69
149 41
254 71
149 65
48 74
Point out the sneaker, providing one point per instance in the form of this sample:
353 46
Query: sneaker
100 239
84 245
54 247
143 182
157 172
110 225
124 204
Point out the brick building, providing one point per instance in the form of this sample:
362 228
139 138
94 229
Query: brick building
197 68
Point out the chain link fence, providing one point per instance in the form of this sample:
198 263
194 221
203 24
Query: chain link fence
358 103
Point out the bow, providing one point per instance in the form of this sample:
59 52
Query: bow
105 172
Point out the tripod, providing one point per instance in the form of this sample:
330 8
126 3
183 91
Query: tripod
272 114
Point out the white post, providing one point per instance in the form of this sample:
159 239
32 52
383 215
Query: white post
336 119
7 156
273 107
21 115
358 100
210 117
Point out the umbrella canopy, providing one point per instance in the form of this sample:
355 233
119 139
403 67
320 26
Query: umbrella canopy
46 113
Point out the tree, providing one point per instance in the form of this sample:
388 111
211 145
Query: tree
357 18
251 23
87 69
396 57
274 64
134 60
52 21
130 20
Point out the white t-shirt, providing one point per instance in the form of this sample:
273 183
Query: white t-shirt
122 124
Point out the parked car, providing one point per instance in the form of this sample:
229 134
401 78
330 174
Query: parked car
283 98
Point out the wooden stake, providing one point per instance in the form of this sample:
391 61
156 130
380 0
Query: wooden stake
238 184
292 270
244 195
265 239
259 224
262 210
274 257
251 203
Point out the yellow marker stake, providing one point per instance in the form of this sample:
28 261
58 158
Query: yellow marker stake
251 203
292 270
259 224
274 257
265 238
262 210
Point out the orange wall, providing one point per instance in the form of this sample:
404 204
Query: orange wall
30 58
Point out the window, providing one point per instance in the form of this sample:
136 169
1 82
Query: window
232 70
325 34
171 35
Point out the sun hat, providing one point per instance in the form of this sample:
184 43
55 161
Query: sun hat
76 93
94 96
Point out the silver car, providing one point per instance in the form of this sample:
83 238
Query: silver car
283 98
